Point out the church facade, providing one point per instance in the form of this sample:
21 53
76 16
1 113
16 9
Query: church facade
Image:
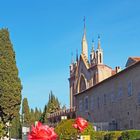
109 98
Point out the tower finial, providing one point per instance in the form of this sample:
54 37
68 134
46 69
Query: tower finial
92 45
72 59
99 43
84 42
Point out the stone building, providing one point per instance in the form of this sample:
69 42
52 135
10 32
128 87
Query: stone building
109 98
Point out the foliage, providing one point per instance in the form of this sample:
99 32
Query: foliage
25 112
114 135
52 106
35 115
99 135
130 135
2 129
10 84
16 128
117 135
66 131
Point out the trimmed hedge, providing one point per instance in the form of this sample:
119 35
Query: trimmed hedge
117 135
130 135
66 131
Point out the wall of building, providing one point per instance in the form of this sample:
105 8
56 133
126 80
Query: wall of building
115 101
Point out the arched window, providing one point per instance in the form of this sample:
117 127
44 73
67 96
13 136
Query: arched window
82 84
100 58
94 79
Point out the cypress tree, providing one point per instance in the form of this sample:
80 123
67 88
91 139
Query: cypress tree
52 106
25 112
10 84
16 128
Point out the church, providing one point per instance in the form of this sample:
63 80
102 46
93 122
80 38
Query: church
109 98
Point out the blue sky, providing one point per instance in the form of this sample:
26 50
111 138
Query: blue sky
45 32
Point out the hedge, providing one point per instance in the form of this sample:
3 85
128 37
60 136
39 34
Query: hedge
66 131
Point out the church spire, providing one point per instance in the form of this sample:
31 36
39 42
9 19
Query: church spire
84 42
92 49
99 52
99 43
92 54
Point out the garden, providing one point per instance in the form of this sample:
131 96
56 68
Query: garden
78 129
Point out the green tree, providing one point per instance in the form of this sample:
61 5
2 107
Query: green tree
16 127
25 112
10 84
2 129
52 106
32 116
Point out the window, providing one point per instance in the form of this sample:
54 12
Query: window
80 105
98 102
100 58
112 97
104 99
131 124
139 98
82 84
120 92
92 103
129 88
86 103
94 79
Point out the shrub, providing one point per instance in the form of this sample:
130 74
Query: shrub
131 135
114 135
66 131
99 135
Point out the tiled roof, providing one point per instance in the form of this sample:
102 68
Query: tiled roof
135 58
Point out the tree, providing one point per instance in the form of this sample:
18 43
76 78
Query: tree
10 84
16 128
52 106
2 129
25 112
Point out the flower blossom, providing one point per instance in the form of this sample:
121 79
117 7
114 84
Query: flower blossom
42 132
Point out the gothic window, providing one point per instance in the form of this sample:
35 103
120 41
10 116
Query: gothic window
129 88
131 124
94 79
98 102
139 98
86 103
100 58
92 103
80 105
112 97
120 92
104 99
82 84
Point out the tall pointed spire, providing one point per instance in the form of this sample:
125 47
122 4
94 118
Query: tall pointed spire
84 42
92 54
99 52
99 43
72 59
92 49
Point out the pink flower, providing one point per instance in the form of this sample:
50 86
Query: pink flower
42 132
80 124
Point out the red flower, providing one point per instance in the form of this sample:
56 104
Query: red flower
42 132
80 124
